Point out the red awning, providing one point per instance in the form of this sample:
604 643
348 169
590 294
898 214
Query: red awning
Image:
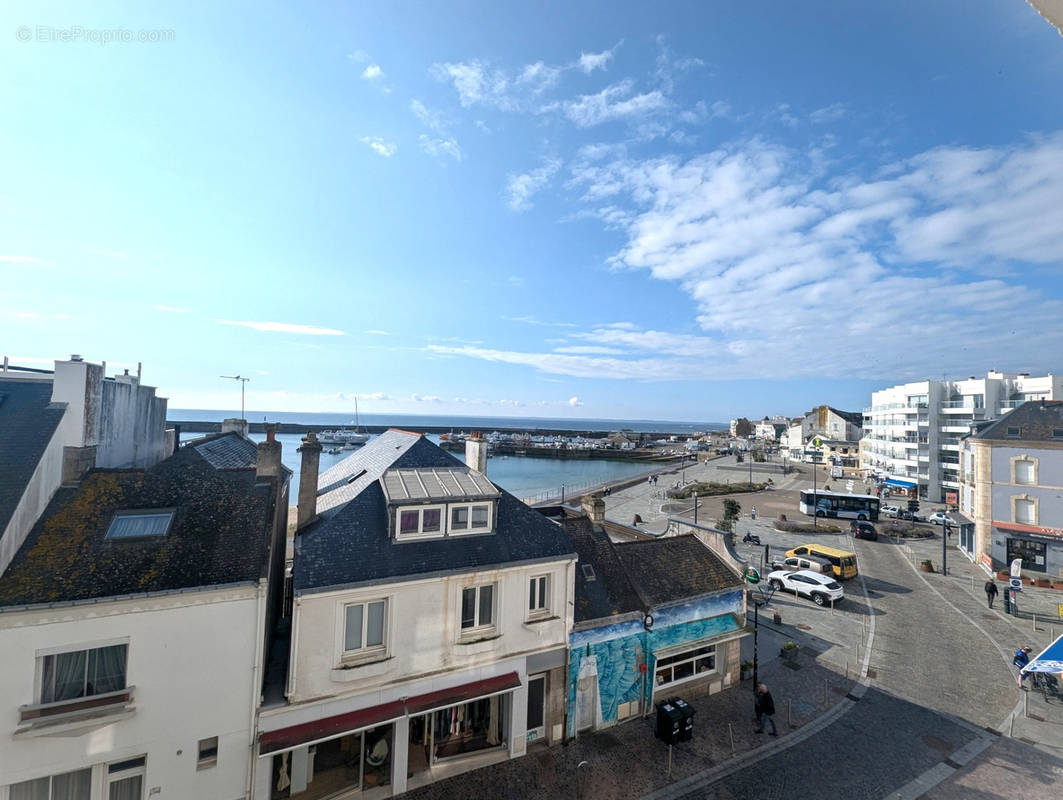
318 729
1020 528
463 693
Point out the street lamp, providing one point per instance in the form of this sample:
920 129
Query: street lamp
758 601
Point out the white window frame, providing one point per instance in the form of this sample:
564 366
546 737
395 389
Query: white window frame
364 652
716 654
539 599
131 772
469 529
47 652
6 789
207 762
1024 498
478 628
420 533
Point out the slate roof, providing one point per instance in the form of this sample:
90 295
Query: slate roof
674 569
351 544
28 420
220 534
610 594
1035 420
852 417
226 451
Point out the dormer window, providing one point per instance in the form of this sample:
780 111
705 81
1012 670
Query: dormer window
434 502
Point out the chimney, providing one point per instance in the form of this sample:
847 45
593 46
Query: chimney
593 507
308 472
269 454
476 452
235 425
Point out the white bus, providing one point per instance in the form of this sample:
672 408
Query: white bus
837 504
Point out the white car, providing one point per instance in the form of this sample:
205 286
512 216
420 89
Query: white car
821 588
889 511
940 518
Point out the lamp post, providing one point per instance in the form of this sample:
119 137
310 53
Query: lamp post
751 469
944 546
243 383
695 508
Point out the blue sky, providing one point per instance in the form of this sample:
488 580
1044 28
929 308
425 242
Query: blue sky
680 211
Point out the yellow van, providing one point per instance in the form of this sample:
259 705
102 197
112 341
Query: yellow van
842 561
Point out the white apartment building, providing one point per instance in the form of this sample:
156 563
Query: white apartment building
912 431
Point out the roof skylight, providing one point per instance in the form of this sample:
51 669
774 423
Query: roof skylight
139 524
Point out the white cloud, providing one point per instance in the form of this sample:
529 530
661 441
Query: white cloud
374 332
358 57
20 260
432 120
831 113
529 320
379 146
284 327
172 309
575 402
441 146
588 62
589 350
613 103
480 84
373 73
520 188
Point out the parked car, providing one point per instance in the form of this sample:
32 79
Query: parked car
863 530
888 511
940 518
806 583
796 563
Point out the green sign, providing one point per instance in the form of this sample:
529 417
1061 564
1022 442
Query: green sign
752 575
817 442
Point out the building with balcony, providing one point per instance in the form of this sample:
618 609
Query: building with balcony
429 631
912 431
1012 490
132 627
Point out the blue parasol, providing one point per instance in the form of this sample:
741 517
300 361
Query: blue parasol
1048 660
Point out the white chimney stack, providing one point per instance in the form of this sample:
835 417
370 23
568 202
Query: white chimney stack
476 452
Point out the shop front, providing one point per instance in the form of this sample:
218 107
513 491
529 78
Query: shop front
1039 549
384 750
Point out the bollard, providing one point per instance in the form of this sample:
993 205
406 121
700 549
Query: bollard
1025 705
731 733
1034 617
669 761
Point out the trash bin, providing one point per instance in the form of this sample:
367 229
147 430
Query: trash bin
669 722
686 727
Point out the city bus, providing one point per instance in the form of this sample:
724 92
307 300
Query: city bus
838 504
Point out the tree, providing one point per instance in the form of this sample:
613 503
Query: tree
743 428
731 510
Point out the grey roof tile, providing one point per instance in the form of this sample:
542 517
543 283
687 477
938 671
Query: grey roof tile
226 451
674 569
28 420
1036 421
351 545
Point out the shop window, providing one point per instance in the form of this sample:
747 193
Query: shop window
539 596
477 607
464 729
68 786
689 664
1031 553
364 627
207 753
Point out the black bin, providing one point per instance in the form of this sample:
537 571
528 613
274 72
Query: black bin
669 722
686 727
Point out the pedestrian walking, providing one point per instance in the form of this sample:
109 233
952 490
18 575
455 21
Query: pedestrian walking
765 708
1022 658
991 591
753 512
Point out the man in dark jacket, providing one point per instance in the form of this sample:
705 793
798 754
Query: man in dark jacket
990 591
765 708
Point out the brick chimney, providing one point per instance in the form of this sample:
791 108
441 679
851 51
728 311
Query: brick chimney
476 452
308 473
594 507
269 455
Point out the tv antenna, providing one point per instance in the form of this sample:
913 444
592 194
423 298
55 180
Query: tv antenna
243 384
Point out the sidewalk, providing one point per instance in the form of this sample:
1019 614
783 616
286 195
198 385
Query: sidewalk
1034 719
627 761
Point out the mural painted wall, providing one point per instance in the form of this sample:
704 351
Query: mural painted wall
620 650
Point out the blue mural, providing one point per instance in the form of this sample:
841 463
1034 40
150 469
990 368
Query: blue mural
624 651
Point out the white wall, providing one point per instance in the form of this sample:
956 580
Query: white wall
191 658
424 629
